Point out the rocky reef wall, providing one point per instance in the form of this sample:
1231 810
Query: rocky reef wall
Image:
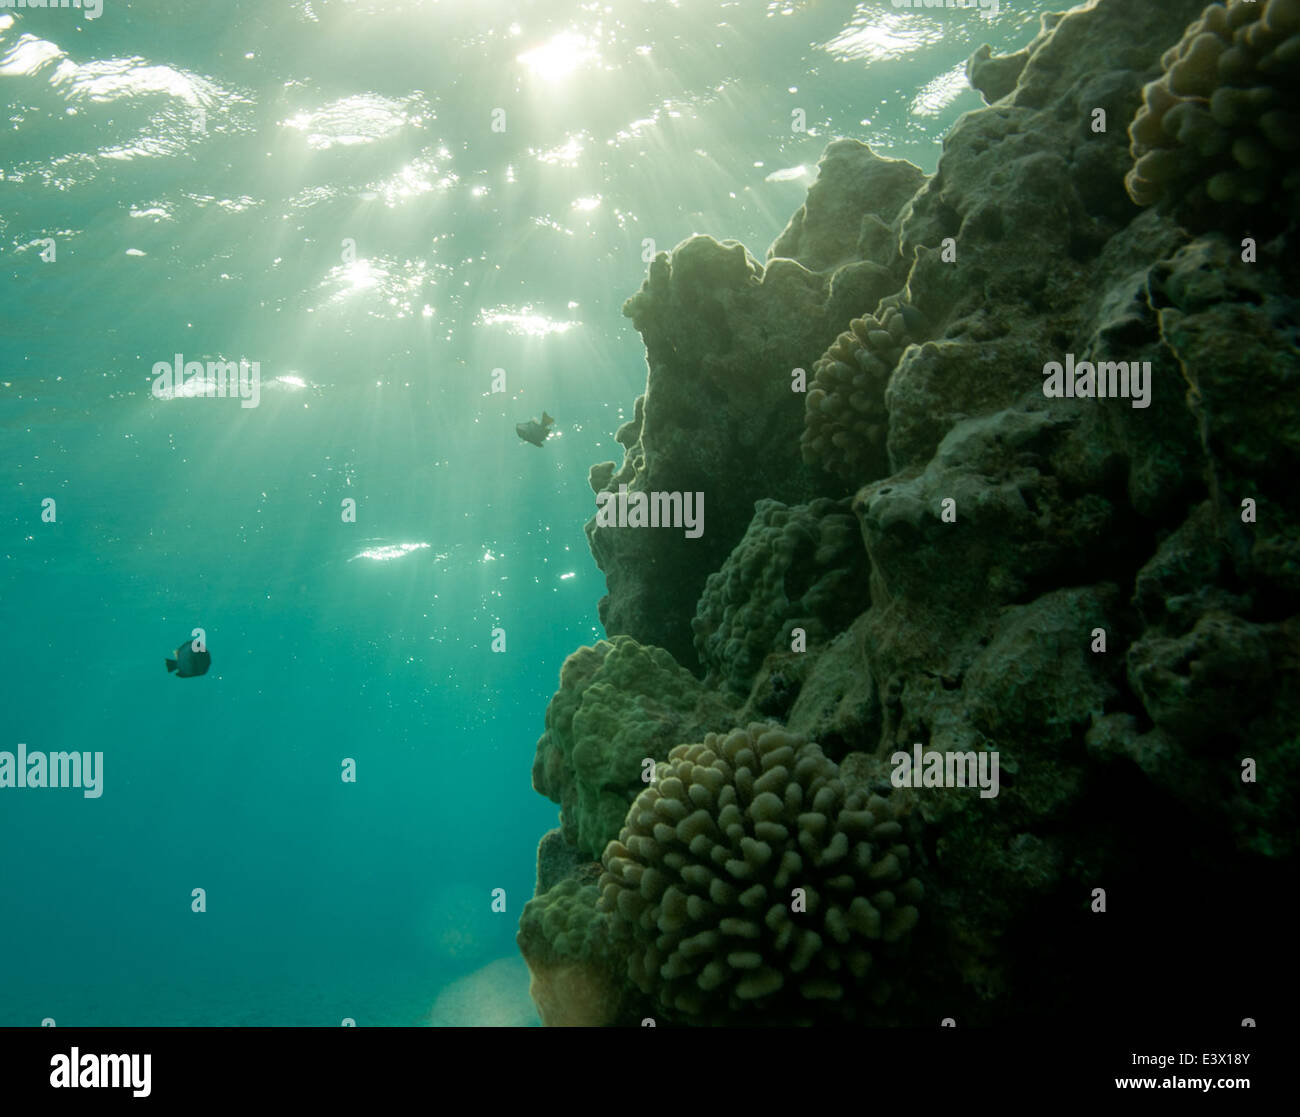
934 545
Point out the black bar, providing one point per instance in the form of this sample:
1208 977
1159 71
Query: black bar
443 1067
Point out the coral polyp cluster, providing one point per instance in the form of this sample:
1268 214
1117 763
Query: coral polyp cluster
1221 123
748 878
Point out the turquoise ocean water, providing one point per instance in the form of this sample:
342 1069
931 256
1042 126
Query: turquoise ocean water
318 186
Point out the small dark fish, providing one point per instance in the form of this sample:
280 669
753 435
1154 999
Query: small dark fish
535 432
188 662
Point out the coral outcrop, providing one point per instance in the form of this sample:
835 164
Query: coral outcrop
848 213
576 977
619 705
796 568
724 336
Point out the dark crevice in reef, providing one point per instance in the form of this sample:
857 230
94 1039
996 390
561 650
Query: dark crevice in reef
1151 958
930 546
1124 702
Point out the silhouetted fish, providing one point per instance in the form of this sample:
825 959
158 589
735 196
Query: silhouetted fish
188 662
535 432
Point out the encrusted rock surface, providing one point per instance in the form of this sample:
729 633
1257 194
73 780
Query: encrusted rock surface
619 705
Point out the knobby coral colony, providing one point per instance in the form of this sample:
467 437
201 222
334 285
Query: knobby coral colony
747 877
1112 609
1221 122
846 413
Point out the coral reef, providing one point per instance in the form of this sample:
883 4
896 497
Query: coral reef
1220 125
749 880
1102 592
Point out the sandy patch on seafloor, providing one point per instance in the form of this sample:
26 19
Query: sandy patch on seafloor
495 996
